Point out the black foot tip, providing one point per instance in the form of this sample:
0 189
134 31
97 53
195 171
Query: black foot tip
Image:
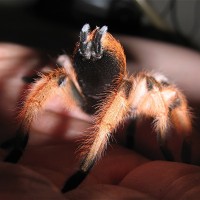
167 154
14 156
74 181
186 152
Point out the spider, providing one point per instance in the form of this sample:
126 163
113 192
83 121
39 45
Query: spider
98 83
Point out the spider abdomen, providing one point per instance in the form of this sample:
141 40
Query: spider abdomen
99 63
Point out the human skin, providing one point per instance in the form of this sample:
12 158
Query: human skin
51 155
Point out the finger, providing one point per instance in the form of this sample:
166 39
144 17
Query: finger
18 182
165 180
107 192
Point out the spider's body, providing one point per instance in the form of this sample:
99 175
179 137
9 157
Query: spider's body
100 85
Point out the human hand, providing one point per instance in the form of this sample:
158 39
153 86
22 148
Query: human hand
51 157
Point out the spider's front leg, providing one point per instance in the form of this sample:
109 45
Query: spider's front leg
56 82
112 112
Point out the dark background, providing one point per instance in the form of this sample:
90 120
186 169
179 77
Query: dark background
53 26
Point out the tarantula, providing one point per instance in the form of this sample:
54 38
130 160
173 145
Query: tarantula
98 82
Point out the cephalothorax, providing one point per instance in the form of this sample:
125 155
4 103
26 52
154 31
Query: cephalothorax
98 82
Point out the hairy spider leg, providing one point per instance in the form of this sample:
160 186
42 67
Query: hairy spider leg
148 101
181 118
180 115
111 113
55 82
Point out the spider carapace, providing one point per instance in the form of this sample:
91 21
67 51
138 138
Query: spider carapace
97 81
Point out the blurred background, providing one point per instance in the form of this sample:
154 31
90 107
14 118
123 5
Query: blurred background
54 25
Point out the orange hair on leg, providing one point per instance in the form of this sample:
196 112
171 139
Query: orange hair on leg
56 82
112 112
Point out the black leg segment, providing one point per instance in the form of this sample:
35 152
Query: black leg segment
20 143
164 149
186 151
74 181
